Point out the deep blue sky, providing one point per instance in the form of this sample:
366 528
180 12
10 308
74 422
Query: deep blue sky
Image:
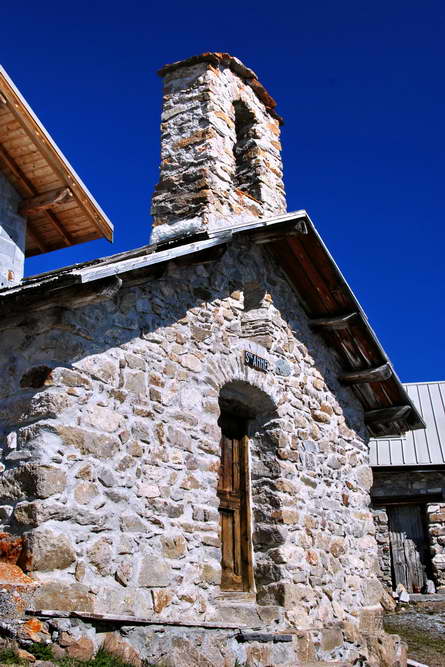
361 88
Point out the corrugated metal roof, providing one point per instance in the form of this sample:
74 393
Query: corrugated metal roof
421 447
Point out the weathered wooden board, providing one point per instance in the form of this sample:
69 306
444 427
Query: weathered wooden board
409 546
233 509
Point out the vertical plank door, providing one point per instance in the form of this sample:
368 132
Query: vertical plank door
232 494
409 546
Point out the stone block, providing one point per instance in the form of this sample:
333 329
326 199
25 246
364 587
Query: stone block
85 492
125 570
154 572
100 445
11 548
62 596
122 650
330 639
271 535
161 599
102 419
32 480
46 550
101 367
100 555
211 572
77 648
174 546
43 405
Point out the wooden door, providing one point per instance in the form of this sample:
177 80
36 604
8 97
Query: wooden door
409 546
236 561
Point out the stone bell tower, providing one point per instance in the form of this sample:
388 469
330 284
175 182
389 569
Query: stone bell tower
220 148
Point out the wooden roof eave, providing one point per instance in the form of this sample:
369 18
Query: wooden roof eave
337 315
46 147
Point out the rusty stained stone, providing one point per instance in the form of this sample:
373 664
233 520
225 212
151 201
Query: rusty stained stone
12 575
161 599
10 548
34 630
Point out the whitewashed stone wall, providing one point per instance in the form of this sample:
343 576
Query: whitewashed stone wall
12 235
111 452
384 546
436 531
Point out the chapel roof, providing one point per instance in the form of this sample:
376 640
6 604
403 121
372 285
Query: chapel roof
333 310
59 209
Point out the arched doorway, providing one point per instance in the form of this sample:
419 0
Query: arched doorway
243 410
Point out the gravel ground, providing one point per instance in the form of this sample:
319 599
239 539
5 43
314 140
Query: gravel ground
423 631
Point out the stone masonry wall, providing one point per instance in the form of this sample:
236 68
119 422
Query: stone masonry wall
436 531
220 152
419 485
12 235
384 548
111 453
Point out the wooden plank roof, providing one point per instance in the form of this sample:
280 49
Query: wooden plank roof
58 207
329 302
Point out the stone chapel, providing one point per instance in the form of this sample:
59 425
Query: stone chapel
185 470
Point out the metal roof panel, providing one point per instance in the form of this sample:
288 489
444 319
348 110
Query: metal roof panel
421 447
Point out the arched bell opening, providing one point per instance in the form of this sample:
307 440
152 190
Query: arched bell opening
245 151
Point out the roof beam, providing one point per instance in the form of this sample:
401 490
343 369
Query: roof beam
336 322
35 238
298 228
376 374
383 415
67 238
58 164
18 173
30 189
46 200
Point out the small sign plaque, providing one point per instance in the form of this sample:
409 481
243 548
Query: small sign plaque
254 361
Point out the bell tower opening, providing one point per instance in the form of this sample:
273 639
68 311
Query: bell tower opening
246 178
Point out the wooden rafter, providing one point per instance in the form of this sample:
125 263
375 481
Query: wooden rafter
45 169
376 374
34 236
270 236
38 139
338 322
12 165
46 200
31 190
390 414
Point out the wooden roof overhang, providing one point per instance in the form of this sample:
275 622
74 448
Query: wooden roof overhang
329 302
59 209
335 313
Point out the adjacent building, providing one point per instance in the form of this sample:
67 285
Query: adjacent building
408 496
